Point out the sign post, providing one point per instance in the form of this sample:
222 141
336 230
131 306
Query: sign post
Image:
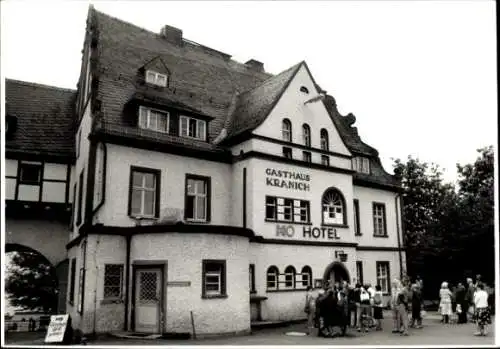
56 329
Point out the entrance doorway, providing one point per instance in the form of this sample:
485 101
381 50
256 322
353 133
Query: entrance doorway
336 272
148 295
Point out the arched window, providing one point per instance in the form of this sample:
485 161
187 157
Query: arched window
286 130
272 278
306 276
304 90
306 135
290 277
333 207
324 139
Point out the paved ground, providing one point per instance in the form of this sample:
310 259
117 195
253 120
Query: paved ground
433 333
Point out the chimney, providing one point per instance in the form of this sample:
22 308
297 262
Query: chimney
255 65
172 34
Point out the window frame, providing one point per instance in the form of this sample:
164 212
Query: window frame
156 76
294 207
119 286
286 128
357 220
344 208
79 208
361 164
306 135
251 271
388 275
291 274
327 157
72 282
307 156
324 138
198 123
157 198
359 272
33 165
306 270
222 278
148 112
208 198
272 270
287 153
384 217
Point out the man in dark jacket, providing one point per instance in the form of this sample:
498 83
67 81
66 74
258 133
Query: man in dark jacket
462 304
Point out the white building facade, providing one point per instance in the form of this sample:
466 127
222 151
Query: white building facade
211 193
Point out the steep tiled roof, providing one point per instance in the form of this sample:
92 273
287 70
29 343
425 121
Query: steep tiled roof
44 118
252 107
201 79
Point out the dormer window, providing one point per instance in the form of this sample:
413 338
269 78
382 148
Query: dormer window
156 78
152 119
361 164
193 128
304 89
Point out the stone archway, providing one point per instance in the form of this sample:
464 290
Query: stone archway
58 271
336 272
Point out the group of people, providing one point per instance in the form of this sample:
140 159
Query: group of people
462 301
340 305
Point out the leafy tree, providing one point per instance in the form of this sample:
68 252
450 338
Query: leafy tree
31 282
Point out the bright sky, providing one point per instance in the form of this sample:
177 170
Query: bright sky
420 77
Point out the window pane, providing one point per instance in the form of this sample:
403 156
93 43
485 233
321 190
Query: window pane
200 207
149 180
136 201
150 77
162 80
192 128
162 123
200 187
191 186
149 203
270 212
184 126
201 130
190 207
137 179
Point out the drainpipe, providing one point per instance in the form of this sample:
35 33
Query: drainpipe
399 239
95 287
127 282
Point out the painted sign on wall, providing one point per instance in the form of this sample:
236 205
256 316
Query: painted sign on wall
287 179
288 231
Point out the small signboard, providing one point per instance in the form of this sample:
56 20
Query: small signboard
56 329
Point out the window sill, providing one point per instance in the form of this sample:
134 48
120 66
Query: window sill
287 222
358 234
112 301
29 183
380 236
144 218
194 221
287 290
214 296
335 225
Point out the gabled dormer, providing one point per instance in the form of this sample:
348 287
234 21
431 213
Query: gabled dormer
155 73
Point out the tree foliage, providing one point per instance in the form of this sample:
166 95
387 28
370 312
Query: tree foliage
448 230
31 282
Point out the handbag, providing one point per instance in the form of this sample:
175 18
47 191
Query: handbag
423 313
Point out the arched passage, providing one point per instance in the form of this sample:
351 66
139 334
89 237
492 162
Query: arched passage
58 273
336 272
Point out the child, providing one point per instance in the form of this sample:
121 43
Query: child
377 307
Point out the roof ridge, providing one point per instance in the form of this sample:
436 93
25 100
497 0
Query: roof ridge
293 67
35 84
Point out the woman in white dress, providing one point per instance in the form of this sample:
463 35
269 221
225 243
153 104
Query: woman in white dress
445 296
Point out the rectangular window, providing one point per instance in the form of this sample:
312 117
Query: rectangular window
78 141
379 222
113 281
359 272
383 276
193 128
30 173
325 160
79 208
306 156
197 206
156 78
80 290
72 279
361 164
357 230
154 120
287 152
287 210
214 278
251 274
73 208
144 192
